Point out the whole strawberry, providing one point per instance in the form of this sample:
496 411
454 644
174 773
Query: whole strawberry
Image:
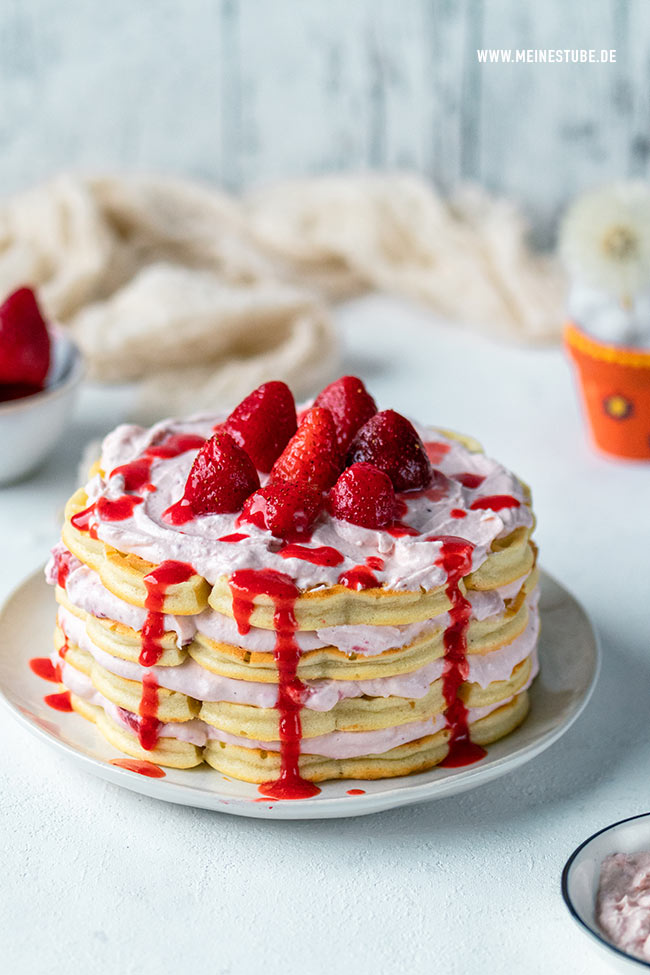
364 495
263 423
390 442
285 508
24 340
221 478
350 404
312 454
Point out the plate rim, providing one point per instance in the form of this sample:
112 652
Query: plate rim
327 807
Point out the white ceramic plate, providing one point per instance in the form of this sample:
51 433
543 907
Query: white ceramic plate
569 660
581 876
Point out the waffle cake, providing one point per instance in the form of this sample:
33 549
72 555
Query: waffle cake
338 594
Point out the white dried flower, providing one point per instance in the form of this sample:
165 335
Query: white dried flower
605 239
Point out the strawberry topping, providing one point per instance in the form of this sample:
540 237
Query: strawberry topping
364 495
263 423
221 478
24 340
350 404
312 454
390 442
285 508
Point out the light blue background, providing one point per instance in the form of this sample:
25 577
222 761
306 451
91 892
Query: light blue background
242 91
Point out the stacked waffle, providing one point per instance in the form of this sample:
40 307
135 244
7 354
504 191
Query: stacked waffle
351 596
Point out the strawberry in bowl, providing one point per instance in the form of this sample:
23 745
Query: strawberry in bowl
25 346
40 370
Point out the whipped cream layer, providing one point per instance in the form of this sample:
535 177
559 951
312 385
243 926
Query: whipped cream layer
337 744
85 590
623 902
409 562
353 744
321 695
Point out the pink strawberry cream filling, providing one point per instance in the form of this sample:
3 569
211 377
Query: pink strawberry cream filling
338 744
321 695
85 590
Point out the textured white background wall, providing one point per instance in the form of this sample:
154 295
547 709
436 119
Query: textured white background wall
242 91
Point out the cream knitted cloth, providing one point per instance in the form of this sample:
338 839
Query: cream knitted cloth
203 296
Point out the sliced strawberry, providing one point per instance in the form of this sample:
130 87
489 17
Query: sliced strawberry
312 454
263 423
221 478
24 340
365 496
391 443
284 508
350 404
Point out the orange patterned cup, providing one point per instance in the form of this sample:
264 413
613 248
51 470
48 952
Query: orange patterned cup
615 384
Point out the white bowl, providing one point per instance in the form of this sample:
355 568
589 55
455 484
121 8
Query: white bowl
31 427
580 879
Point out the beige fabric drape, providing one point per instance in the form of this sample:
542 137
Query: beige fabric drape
202 296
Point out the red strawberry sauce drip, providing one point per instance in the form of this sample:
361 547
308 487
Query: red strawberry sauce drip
82 521
62 564
59 702
456 559
153 631
148 727
45 669
399 529
157 583
436 450
136 478
245 585
375 563
178 513
437 490
325 555
356 792
236 537
359 577
495 502
64 648
458 513
137 472
174 445
117 510
471 481
141 767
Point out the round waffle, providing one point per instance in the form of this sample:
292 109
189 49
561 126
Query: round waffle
255 765
328 662
168 751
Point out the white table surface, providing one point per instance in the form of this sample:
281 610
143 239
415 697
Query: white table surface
99 879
